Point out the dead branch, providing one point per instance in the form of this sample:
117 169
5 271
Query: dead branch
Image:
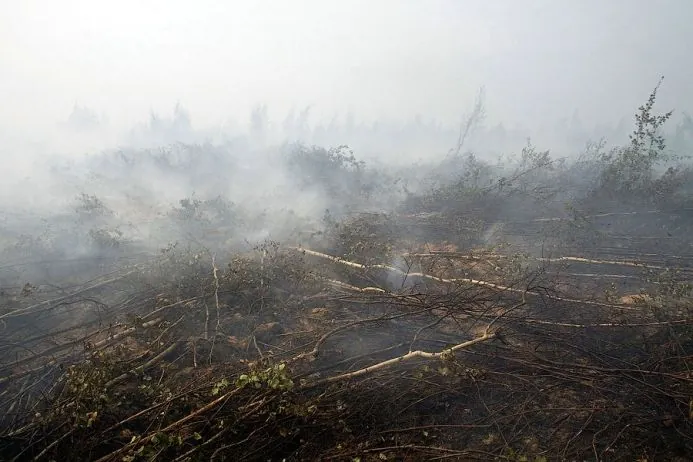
48 304
170 427
399 359
465 281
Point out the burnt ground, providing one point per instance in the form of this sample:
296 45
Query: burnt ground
530 312
431 332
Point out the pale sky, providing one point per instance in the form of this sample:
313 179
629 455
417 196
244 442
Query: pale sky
539 60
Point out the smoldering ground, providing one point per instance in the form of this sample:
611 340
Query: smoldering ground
317 287
270 274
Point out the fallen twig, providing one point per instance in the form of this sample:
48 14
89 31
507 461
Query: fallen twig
411 355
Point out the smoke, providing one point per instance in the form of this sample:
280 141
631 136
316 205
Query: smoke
226 120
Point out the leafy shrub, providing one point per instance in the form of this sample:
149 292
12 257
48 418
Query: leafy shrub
629 170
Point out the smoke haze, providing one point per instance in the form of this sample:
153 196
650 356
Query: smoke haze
86 86
539 60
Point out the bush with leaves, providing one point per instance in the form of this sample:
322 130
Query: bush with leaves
629 171
334 171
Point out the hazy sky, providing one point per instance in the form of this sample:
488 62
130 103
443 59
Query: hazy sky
538 59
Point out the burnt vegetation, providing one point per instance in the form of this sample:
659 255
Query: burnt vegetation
534 309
